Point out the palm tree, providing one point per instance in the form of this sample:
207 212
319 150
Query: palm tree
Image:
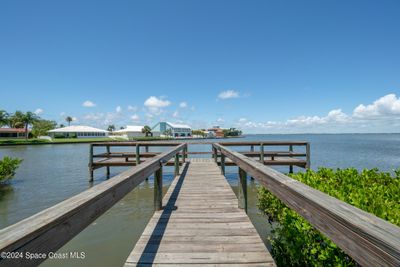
69 120
147 131
29 118
111 128
4 118
168 132
16 120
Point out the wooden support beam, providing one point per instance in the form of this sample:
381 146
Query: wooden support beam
291 166
308 156
176 164
222 164
137 154
108 167
262 153
158 184
90 163
242 193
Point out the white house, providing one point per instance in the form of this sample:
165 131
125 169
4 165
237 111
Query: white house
171 129
130 131
78 131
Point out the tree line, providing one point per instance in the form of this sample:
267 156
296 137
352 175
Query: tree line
23 120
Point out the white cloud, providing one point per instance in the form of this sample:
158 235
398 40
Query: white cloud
118 109
228 94
183 105
382 115
175 114
132 108
88 104
135 117
387 105
62 114
38 111
155 105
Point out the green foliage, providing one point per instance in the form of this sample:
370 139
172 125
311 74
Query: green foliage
147 131
296 243
16 120
4 118
232 132
201 133
69 119
111 128
41 127
8 166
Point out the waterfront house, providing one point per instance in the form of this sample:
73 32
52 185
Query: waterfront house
171 129
216 131
77 131
130 131
12 132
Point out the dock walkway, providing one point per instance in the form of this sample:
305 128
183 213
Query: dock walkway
200 224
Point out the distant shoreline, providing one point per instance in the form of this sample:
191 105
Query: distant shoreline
22 142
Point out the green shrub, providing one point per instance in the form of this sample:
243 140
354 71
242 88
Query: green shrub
296 243
8 166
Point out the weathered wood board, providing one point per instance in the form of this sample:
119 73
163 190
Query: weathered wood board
200 224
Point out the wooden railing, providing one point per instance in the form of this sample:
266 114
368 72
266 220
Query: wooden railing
126 155
263 152
368 239
50 229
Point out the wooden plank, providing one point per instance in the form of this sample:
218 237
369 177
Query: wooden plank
50 229
200 224
368 239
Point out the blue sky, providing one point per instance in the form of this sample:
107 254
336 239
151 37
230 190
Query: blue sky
262 66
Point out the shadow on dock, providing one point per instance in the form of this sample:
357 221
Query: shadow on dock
150 251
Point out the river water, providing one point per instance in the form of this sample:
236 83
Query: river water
52 173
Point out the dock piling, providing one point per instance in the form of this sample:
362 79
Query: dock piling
137 154
176 164
222 164
291 151
158 189
242 193
90 163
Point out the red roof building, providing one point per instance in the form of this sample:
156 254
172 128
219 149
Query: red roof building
12 133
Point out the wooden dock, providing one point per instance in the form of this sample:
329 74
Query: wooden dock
200 224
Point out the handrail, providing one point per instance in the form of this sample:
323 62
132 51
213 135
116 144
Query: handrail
50 229
368 239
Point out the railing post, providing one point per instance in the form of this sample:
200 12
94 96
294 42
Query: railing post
308 164
252 148
262 153
184 154
90 162
215 154
222 163
290 151
158 189
146 148
108 156
242 193
177 164
137 154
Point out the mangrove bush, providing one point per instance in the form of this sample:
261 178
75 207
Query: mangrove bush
8 166
296 243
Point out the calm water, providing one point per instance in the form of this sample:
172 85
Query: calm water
52 173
